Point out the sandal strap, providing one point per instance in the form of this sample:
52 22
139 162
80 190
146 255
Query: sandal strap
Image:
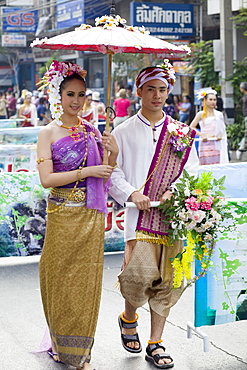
129 325
130 338
152 347
161 356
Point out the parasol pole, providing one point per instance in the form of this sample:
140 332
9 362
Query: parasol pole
108 96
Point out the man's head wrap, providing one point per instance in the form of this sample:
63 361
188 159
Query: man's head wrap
164 73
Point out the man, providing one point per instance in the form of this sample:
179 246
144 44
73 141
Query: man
132 98
242 144
147 160
243 89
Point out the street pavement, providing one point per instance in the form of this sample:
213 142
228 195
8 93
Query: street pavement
22 326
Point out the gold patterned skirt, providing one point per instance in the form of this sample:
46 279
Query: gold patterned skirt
71 268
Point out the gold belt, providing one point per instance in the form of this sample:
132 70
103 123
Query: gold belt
74 195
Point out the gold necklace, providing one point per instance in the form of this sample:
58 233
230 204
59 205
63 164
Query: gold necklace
74 132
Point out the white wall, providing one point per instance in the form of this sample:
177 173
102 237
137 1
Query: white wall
214 5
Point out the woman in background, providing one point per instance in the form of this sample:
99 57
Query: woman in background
28 112
213 144
122 107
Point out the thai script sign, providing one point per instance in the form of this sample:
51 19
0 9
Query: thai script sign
19 19
164 19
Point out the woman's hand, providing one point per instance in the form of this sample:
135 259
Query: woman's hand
204 137
109 142
103 171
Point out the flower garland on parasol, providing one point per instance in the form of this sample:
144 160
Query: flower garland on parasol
196 211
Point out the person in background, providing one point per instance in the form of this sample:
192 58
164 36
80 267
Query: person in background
184 108
70 152
213 144
98 107
132 98
87 110
177 104
243 89
28 112
243 143
3 109
42 112
35 98
169 107
8 96
148 165
122 108
12 105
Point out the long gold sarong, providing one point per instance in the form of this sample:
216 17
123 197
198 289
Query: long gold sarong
148 277
71 268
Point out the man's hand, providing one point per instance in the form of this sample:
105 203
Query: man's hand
141 201
165 196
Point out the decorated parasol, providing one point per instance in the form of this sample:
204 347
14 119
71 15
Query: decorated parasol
110 35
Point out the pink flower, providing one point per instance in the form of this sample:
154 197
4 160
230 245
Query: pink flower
207 204
191 203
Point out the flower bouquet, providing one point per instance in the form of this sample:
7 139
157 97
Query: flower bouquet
196 212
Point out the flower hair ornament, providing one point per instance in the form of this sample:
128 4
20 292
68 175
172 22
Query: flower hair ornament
164 73
53 78
204 92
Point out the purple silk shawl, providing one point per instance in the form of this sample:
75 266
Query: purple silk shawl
68 154
168 170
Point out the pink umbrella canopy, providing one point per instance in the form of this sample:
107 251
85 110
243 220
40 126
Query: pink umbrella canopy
109 39
110 35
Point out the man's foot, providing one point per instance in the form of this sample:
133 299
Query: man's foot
157 355
129 335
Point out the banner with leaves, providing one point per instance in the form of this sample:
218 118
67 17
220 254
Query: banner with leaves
23 216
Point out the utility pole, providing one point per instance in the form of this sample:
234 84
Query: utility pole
226 37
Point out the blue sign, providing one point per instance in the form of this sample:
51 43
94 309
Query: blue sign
163 19
70 14
19 19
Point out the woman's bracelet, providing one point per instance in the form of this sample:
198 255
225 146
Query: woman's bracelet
79 174
115 166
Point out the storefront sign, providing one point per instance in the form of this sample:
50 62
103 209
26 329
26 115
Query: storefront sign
163 19
19 19
14 40
6 74
70 14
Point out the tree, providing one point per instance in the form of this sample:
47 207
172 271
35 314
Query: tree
127 65
239 75
12 58
240 20
201 64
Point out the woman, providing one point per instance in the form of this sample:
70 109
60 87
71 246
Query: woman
12 105
28 112
122 107
184 108
87 110
169 107
213 146
70 152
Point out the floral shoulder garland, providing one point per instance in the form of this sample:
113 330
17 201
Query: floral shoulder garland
178 139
